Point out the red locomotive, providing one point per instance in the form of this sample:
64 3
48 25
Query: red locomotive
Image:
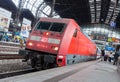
58 42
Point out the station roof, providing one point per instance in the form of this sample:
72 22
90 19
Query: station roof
89 11
10 6
83 11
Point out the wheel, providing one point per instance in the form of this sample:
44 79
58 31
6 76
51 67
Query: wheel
55 65
45 66
36 64
33 63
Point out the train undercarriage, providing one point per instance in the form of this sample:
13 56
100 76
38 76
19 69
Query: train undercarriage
39 60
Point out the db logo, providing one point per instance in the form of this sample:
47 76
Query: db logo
44 39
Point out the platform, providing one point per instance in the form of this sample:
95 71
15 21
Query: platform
92 71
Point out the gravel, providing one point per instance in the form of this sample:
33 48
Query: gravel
13 65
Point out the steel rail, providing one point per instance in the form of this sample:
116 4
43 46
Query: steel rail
10 56
14 73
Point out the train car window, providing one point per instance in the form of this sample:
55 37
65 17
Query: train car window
86 34
51 26
43 26
75 33
57 27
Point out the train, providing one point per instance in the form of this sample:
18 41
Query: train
56 42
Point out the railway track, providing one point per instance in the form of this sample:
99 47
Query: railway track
11 62
10 44
4 48
9 51
14 73
10 56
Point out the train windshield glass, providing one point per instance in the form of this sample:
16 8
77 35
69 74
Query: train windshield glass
51 26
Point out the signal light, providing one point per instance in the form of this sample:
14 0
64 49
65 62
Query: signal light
47 33
30 44
55 48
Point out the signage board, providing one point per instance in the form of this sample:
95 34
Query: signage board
5 17
112 24
26 27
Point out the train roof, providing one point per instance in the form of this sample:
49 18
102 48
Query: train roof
61 20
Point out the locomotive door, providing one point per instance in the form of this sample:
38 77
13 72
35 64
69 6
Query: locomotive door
76 56
77 41
76 38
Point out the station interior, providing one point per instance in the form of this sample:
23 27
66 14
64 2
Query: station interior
88 56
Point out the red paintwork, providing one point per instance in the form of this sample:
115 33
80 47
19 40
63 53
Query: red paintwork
80 45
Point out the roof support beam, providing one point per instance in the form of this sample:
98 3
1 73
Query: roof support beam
92 10
95 9
113 12
20 7
52 8
36 15
104 10
33 4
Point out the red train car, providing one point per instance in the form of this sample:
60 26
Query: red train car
58 42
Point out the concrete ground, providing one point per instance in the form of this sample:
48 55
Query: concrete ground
100 72
92 71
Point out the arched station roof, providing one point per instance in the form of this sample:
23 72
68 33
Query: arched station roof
89 11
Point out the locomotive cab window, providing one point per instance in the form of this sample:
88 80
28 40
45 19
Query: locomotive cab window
43 26
75 33
51 26
57 27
